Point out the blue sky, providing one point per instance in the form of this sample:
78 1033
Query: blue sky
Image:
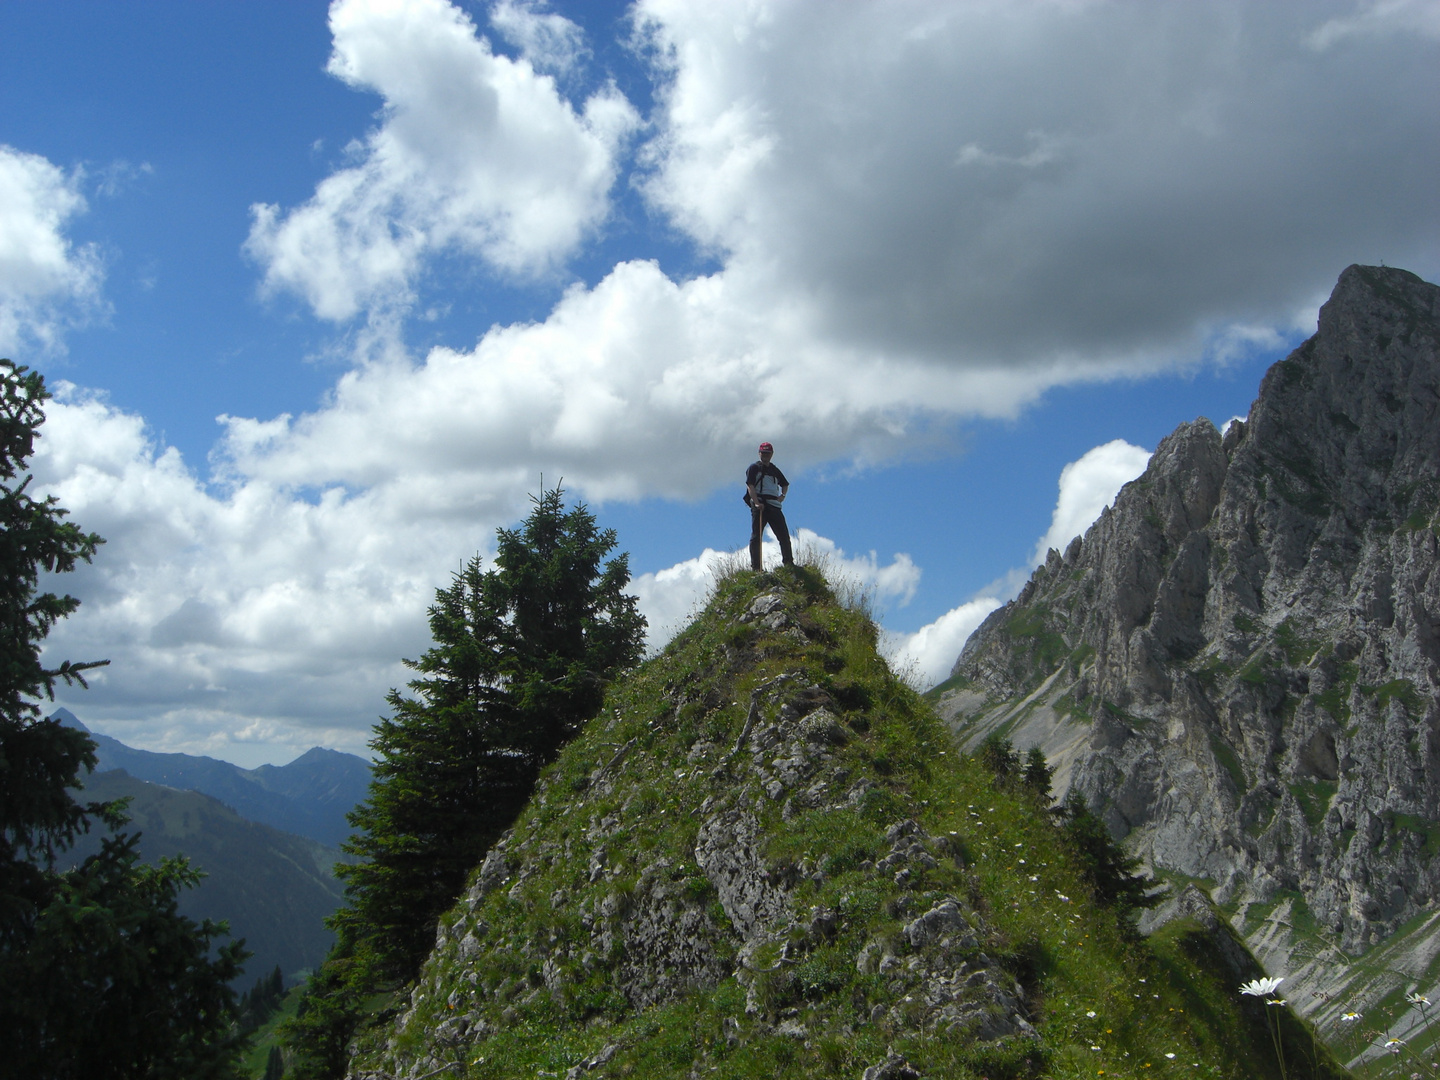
326 290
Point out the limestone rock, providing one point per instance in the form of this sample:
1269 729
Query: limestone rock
594 889
894 1067
1238 666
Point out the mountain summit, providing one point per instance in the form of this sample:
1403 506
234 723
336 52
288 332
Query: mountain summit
1238 665
764 858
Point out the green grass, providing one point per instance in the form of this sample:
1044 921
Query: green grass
1067 705
1078 657
1230 762
939 690
1297 648
1314 796
253 1063
1239 1022
1336 700
1258 671
1048 648
1212 671
1428 831
1101 998
1401 690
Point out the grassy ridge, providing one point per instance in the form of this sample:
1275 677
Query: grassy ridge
531 969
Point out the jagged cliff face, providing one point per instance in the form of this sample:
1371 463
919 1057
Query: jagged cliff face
762 859
1238 665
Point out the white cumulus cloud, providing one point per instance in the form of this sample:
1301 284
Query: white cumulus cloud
1087 486
930 652
920 213
46 281
1052 186
1379 17
475 153
236 615
549 41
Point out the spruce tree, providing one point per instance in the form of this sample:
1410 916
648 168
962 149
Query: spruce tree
1116 878
521 657
100 976
1038 773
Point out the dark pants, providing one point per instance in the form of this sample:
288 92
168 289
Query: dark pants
767 514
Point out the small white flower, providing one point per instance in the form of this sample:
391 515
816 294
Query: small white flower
1349 1018
1275 1001
1170 1056
1091 1014
1393 1045
1261 987
1417 999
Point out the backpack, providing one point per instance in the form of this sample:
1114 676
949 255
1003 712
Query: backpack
745 492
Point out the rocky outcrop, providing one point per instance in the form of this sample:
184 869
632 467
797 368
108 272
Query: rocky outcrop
1238 665
660 873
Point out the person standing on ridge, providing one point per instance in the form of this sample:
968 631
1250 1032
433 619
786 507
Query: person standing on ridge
765 488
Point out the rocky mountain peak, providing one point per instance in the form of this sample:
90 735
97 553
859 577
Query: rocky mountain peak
763 858
1238 665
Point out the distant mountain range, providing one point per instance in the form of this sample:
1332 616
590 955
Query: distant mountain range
309 797
266 838
274 888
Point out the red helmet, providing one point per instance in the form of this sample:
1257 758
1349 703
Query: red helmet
766 448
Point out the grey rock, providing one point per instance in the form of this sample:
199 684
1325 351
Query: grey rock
822 726
727 848
767 611
494 872
944 919
867 961
592 1062
1238 666
894 1067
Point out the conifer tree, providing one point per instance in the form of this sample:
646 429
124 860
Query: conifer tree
100 976
1117 878
1038 773
522 654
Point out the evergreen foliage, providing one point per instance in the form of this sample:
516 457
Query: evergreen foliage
329 1013
259 1003
100 976
1112 875
1038 773
998 754
1107 869
522 654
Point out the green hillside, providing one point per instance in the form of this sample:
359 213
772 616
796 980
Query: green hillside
275 889
765 858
